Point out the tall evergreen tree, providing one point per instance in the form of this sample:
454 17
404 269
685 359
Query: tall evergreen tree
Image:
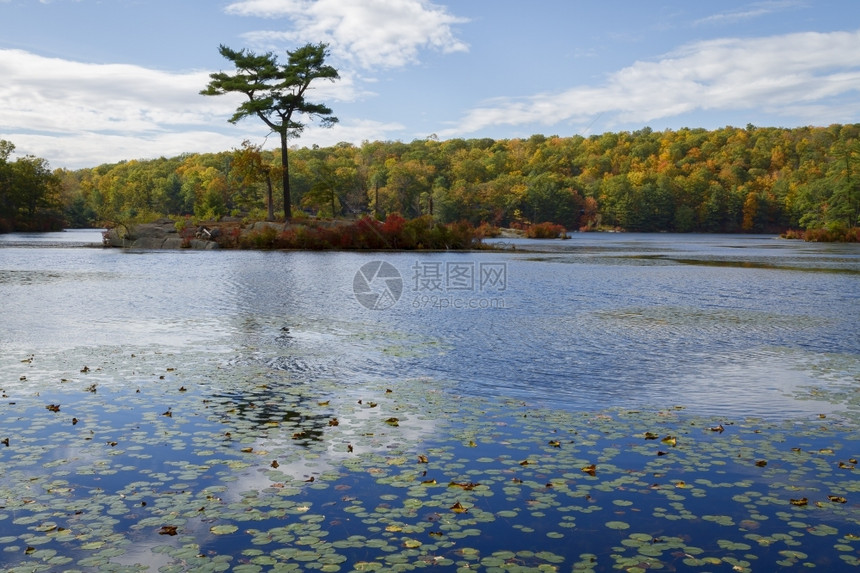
276 93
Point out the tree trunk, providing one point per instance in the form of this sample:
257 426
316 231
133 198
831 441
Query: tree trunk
270 203
288 213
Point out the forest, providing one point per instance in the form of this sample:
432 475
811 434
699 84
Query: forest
752 179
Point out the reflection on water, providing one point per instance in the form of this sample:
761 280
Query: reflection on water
729 324
210 411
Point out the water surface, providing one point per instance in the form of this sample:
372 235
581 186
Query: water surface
609 402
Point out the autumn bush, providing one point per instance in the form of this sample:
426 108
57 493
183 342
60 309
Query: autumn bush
546 231
487 231
833 234
367 233
259 239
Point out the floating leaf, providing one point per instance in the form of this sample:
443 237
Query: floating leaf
837 499
590 470
464 485
392 422
670 440
167 530
225 529
459 508
617 525
800 501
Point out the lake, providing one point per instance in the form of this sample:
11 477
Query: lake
612 401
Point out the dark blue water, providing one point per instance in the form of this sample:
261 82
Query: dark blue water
286 396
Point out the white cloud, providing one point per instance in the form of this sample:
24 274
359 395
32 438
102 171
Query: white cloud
78 114
792 74
754 10
60 96
354 131
370 33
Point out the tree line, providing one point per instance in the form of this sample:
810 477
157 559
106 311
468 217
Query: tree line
752 179
29 193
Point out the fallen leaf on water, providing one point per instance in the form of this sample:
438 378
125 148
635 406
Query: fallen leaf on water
590 470
465 485
837 499
801 501
459 508
167 530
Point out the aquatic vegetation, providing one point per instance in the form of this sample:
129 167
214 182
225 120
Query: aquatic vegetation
191 462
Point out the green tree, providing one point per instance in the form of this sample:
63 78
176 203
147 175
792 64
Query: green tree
276 93
7 201
36 193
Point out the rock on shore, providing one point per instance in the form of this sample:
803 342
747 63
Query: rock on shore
162 234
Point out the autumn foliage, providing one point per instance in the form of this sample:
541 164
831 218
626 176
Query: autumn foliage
728 180
367 233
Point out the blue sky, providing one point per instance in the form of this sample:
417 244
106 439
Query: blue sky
86 82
